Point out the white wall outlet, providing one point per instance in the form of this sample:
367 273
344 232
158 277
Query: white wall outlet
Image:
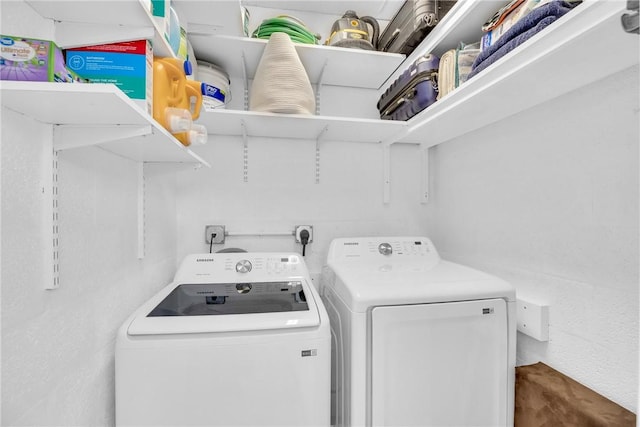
533 319
217 231
299 229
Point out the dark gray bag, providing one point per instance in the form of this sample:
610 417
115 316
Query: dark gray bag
412 23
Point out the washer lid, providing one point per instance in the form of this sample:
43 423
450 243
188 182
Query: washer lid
226 307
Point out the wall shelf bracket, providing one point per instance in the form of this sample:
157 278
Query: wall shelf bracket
50 223
319 86
245 151
74 136
318 139
424 175
386 171
246 82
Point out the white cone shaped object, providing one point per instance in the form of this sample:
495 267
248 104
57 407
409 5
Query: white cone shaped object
281 84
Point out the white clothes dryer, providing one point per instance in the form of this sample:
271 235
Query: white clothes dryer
417 341
235 339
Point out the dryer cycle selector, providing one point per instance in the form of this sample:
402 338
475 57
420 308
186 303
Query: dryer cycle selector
243 266
385 249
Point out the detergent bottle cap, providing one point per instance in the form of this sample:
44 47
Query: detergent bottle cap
198 134
188 69
178 119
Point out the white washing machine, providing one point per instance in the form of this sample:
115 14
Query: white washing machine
235 339
417 341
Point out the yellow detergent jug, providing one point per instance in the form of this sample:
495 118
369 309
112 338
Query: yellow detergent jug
169 92
194 97
193 104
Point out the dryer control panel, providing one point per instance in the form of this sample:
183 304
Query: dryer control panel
388 249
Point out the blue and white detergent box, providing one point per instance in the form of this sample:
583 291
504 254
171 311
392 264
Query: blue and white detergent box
128 65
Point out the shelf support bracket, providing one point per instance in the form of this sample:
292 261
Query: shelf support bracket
49 190
72 136
386 159
246 83
424 172
318 138
56 224
50 223
245 151
319 86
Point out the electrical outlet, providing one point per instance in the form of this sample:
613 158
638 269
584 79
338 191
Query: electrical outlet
533 319
299 228
217 231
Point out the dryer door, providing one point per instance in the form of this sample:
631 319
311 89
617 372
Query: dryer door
440 364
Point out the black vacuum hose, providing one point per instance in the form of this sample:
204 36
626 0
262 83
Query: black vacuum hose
376 29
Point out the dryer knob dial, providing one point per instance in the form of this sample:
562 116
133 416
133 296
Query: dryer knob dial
243 288
385 249
243 266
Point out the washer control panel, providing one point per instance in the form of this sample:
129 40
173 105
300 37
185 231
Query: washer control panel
241 267
265 264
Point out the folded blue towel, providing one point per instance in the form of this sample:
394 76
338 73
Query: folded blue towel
529 25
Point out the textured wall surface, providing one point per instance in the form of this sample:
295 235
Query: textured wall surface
58 345
281 192
548 200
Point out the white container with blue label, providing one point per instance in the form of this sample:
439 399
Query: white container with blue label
215 86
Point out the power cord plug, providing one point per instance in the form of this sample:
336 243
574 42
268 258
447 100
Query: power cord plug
213 236
304 239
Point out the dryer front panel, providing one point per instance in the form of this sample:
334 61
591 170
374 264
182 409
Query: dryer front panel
443 364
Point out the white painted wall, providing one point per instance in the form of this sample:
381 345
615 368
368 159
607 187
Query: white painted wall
281 192
548 200
58 345
554 210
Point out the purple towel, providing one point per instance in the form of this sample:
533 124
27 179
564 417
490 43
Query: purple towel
532 23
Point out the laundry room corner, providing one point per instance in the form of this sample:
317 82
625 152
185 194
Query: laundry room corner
548 200
58 344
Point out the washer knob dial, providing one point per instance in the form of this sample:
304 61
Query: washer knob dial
385 249
243 266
